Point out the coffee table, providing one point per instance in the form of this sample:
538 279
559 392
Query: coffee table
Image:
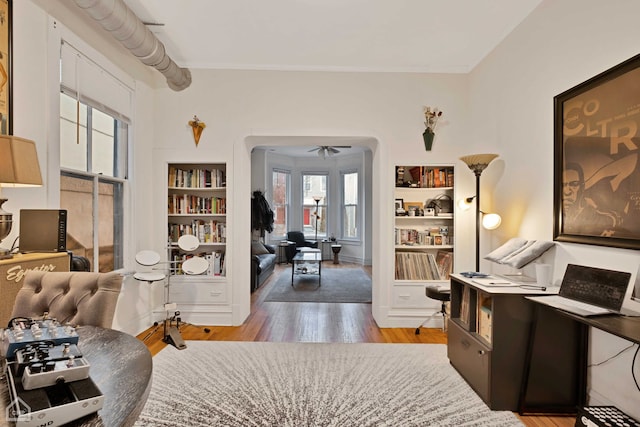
307 261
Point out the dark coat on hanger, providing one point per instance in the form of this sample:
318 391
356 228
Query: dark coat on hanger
262 216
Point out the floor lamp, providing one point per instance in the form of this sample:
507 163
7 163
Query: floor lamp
478 163
317 200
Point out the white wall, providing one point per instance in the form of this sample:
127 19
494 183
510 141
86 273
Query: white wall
561 44
382 110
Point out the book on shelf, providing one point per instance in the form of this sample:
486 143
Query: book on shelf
207 231
432 236
437 177
424 176
180 204
196 177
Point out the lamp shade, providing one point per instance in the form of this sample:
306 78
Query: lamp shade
465 204
19 165
491 221
478 162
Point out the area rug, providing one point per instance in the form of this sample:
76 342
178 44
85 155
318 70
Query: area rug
227 383
338 285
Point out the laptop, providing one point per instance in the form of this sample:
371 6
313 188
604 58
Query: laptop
589 291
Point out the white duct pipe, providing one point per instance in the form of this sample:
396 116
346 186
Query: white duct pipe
124 26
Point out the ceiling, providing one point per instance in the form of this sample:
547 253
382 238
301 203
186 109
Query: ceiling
448 36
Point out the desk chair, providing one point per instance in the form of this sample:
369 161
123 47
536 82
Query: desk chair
443 295
75 297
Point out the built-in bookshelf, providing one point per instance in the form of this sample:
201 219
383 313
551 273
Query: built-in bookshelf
197 205
423 236
423 231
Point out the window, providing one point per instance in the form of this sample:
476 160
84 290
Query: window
280 201
93 164
314 205
350 220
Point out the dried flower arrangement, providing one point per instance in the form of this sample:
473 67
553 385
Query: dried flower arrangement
431 117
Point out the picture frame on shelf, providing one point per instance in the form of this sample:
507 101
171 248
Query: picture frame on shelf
596 168
413 208
412 205
399 207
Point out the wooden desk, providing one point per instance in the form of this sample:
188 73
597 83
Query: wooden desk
12 272
121 367
567 357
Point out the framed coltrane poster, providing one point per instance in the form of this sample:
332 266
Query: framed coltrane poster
596 164
6 120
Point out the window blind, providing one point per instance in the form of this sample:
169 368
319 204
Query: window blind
84 79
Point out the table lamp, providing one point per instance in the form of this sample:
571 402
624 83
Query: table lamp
19 167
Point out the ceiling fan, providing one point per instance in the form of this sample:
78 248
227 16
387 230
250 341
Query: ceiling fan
327 150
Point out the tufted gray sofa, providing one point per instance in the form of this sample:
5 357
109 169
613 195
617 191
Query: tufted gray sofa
76 297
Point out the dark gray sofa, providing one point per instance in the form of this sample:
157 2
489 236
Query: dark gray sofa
262 265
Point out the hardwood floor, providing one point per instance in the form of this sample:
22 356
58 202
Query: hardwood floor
316 322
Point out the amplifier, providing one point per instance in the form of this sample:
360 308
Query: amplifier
12 272
43 230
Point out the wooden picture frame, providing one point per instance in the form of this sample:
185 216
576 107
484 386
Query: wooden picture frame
597 159
6 65
412 205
